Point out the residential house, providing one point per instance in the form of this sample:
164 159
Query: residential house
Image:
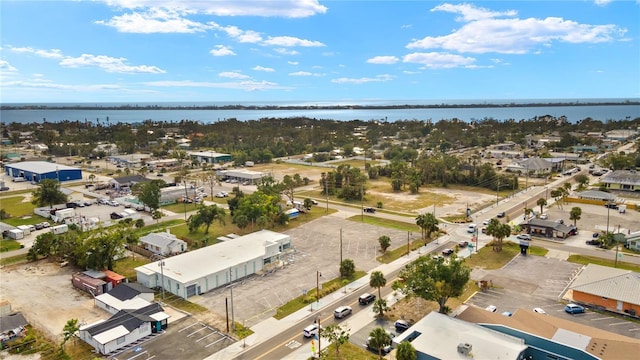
12 326
550 229
124 327
534 166
163 243
625 180
127 181
633 241
125 296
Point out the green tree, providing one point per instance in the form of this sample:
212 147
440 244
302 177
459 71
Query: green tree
434 280
337 335
406 351
69 330
378 340
148 193
48 193
575 214
380 306
542 203
428 223
499 231
377 280
206 215
385 242
347 268
156 215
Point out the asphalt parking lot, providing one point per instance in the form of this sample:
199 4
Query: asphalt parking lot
186 338
317 248
528 282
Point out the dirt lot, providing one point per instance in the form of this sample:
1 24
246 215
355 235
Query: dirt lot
44 294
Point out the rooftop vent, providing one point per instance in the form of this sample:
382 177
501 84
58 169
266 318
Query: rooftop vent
464 348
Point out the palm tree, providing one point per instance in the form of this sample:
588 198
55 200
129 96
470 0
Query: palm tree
428 223
542 203
48 193
575 214
378 281
378 339
406 351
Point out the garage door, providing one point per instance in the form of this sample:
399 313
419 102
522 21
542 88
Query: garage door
191 290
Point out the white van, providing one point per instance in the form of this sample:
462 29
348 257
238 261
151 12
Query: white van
472 228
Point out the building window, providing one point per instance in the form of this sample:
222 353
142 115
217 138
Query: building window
120 340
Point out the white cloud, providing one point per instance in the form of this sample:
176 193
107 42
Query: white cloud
233 75
243 36
294 63
280 8
434 60
109 64
283 51
383 60
363 80
6 67
49 54
484 33
240 85
155 20
290 41
301 73
262 68
602 2
411 72
222 50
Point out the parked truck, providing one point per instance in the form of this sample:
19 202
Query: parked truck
60 229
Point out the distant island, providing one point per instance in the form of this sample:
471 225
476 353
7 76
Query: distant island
311 107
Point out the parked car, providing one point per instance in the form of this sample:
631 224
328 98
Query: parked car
310 331
539 310
45 224
447 252
523 237
595 235
491 308
507 313
342 312
366 299
438 257
543 216
222 194
486 222
501 214
593 242
613 206
401 325
574 309
314 202
463 244
115 216
4 188
370 210
39 226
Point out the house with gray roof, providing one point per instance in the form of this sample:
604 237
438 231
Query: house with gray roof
608 288
125 296
12 326
124 328
625 180
531 166
163 243
596 195
548 228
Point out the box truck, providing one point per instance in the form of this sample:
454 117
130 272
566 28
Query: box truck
16 234
60 229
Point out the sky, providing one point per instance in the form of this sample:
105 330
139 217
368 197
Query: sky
257 51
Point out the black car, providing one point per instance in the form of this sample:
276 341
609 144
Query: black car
463 244
402 325
366 299
501 214
447 252
593 242
115 216
370 210
613 206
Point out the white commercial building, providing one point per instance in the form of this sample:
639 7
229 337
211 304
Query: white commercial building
211 267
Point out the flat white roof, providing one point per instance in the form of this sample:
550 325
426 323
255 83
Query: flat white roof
206 153
194 265
111 334
133 304
440 335
40 167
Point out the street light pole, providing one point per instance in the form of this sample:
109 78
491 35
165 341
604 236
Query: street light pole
318 274
161 264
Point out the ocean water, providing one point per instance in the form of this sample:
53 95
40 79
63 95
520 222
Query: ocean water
146 112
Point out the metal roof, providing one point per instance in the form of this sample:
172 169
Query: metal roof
197 264
623 177
612 283
40 167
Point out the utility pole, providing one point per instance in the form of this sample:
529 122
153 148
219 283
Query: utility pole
497 192
340 246
319 336
615 263
408 244
318 274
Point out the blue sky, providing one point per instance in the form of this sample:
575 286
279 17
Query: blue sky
310 50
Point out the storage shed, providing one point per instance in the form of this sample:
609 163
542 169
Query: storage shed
39 170
91 284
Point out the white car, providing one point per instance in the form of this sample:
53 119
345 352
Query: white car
544 216
486 222
523 237
310 331
539 310
342 311
491 308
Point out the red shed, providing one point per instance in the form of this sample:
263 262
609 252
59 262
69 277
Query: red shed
113 277
89 284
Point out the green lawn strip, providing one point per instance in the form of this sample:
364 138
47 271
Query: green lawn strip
488 259
538 251
179 303
161 226
126 266
181 208
241 331
4 261
400 251
388 223
347 351
305 300
584 260
8 245
16 207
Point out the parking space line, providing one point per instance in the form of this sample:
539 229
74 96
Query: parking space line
206 336
186 327
620 323
197 331
602 318
215 342
634 329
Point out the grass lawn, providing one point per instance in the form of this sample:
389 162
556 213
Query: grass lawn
400 251
161 226
126 266
8 245
388 223
581 259
16 207
179 303
305 300
13 259
181 208
488 259
347 351
538 251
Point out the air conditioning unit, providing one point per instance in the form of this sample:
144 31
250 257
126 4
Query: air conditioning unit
464 348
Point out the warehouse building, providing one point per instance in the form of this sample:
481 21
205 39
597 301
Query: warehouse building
39 170
211 267
209 157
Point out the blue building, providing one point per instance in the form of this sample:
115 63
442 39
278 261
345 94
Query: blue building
38 170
